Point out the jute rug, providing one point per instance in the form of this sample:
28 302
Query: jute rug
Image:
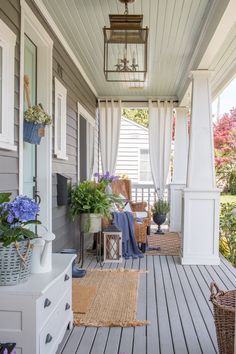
115 300
169 244
83 296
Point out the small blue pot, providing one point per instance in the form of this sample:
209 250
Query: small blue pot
31 132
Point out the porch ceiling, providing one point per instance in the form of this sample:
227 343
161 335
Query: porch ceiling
175 28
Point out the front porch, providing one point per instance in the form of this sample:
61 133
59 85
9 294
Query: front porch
174 298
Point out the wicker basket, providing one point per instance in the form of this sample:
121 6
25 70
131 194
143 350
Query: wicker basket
224 313
15 262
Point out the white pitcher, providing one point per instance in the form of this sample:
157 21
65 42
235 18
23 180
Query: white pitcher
42 254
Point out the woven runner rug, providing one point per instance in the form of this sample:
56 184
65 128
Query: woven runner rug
114 303
169 244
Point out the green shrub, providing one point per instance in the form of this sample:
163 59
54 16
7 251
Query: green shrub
228 231
232 182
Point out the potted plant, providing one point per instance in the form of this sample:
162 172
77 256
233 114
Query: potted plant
90 200
35 120
160 209
15 238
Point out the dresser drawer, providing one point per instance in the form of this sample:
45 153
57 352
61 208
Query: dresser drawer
50 300
53 331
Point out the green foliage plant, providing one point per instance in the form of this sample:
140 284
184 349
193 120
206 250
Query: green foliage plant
91 198
161 207
228 231
37 115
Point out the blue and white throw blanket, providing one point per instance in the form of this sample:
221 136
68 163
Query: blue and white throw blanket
125 222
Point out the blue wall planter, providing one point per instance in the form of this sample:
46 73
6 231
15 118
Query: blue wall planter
32 133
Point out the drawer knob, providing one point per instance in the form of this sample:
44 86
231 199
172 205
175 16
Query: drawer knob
48 338
66 277
47 303
67 306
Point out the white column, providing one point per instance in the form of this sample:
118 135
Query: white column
179 168
200 228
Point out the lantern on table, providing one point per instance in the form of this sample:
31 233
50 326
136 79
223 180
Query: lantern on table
112 244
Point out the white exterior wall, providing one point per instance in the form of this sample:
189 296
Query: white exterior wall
133 137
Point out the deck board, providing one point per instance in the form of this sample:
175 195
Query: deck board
174 298
178 338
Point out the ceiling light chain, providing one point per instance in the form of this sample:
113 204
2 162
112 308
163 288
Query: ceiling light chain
126 8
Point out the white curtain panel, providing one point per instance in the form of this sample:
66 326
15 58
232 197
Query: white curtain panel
109 128
160 134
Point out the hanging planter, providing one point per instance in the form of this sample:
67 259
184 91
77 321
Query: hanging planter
33 132
35 119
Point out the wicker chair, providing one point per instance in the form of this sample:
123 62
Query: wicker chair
123 186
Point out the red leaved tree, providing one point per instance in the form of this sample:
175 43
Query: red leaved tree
225 148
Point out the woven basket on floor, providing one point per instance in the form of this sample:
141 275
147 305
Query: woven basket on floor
224 313
15 262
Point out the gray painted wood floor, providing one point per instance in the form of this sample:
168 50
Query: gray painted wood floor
174 298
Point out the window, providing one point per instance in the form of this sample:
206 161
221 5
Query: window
145 174
90 150
87 143
7 59
60 121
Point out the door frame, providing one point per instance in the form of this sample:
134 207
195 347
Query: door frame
31 26
89 119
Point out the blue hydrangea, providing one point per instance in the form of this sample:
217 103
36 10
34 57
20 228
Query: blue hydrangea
20 209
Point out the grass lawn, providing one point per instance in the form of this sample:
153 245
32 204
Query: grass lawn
227 198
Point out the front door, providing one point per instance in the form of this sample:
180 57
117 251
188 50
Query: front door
30 99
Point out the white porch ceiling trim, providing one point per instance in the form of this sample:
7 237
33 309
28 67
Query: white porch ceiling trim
61 38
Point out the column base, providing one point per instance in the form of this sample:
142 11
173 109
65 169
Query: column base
200 232
193 260
175 201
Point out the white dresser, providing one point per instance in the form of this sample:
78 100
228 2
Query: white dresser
36 314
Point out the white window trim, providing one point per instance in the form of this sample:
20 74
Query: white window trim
139 165
60 92
86 115
7 42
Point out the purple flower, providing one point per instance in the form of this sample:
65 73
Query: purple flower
105 177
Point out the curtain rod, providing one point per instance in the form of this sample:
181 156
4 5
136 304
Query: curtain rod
132 101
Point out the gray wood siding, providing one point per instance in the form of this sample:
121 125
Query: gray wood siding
133 137
77 90
9 160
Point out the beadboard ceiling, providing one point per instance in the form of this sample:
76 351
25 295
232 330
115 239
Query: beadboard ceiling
175 27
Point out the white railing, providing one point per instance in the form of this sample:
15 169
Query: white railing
144 192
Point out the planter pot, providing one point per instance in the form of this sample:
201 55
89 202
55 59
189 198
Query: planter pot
33 132
15 265
159 219
90 223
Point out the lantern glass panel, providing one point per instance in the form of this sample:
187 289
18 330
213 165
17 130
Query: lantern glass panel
112 247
